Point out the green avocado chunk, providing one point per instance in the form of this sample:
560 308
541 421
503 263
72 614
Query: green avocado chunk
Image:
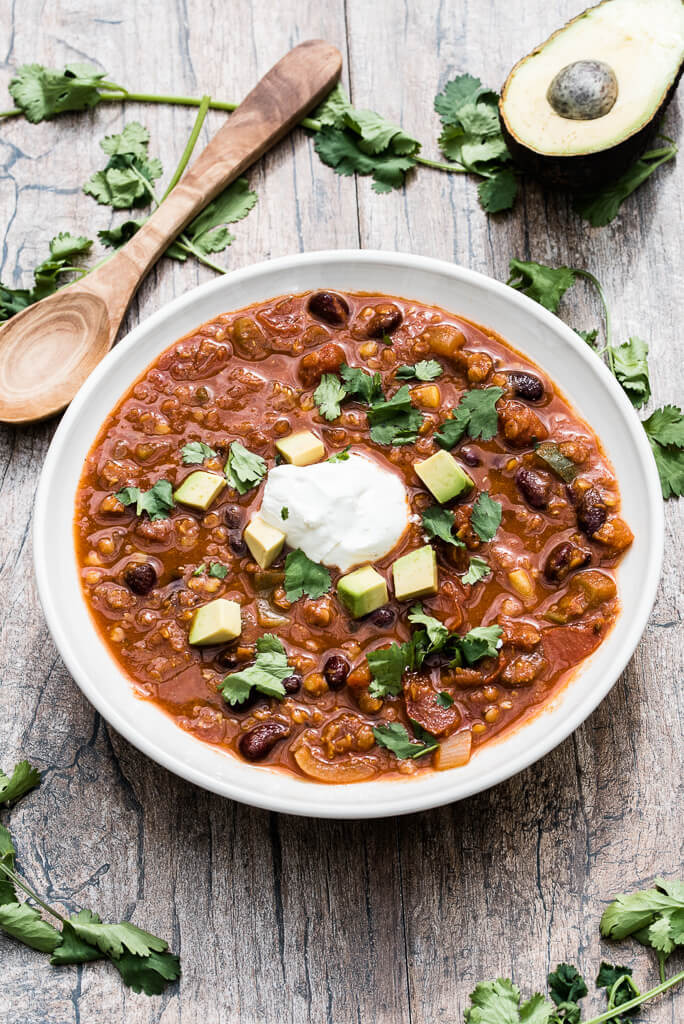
362 591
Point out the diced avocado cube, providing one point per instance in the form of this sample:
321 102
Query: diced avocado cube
215 623
362 591
301 449
264 542
415 574
442 475
199 489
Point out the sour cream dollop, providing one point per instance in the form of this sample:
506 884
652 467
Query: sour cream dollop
339 513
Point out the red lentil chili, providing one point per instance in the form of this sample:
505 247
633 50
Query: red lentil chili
542 579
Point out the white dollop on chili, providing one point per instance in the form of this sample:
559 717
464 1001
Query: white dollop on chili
340 514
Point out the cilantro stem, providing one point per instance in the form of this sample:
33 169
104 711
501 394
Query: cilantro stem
189 101
190 145
611 1014
606 314
29 892
145 183
11 113
450 168
184 243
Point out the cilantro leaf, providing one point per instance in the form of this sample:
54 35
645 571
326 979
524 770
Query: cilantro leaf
23 922
589 336
65 249
328 395
208 233
665 431
148 974
475 414
453 429
129 175
486 516
601 206
157 502
7 854
546 285
24 778
195 452
114 238
395 420
498 1002
266 674
566 985
366 387
74 950
619 987
655 917
285 512
426 369
481 642
302 576
41 93
438 522
631 370
477 570
444 699
218 570
498 192
395 737
387 665
112 939
340 456
244 469
437 632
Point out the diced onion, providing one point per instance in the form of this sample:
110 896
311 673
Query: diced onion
454 751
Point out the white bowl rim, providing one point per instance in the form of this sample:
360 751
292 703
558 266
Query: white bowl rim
388 797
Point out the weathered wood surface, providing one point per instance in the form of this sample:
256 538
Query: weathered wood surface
279 919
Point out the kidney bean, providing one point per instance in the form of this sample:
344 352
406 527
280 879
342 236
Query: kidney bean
562 559
140 577
382 617
533 487
260 741
336 670
526 385
233 516
292 683
592 512
237 544
329 307
385 319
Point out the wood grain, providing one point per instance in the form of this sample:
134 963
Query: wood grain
279 919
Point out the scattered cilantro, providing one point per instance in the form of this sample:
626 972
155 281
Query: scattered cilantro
438 522
486 516
665 431
157 502
395 737
328 395
129 175
481 642
566 987
653 916
64 250
195 452
218 570
546 285
444 699
601 206
340 456
365 387
266 674
41 93
244 469
395 420
426 369
387 665
498 1002
618 985
475 415
302 576
208 233
23 779
285 512
477 570
630 361
436 631
589 336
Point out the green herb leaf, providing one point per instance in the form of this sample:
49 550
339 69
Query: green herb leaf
24 778
437 633
475 414
114 238
631 370
244 469
486 516
589 336
562 466
426 369
157 502
328 395
148 974
498 1002
619 987
341 456
65 249
477 570
655 917
7 854
365 387
42 92
112 939
438 522
601 206
73 950
395 421
218 570
546 285
23 922
395 737
285 512
453 429
129 175
387 665
498 192
444 699
266 674
302 576
566 985
208 233
481 642
665 431
195 452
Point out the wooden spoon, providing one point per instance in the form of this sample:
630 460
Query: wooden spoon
48 350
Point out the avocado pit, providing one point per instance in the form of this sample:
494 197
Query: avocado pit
583 90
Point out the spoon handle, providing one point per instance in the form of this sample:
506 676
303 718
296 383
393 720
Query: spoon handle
280 99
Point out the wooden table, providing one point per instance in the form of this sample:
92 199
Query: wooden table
281 919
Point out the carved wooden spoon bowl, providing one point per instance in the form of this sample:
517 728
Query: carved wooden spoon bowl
48 350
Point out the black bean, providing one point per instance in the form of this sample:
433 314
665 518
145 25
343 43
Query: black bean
533 487
592 512
470 457
526 385
260 741
292 683
140 577
330 307
237 544
336 670
562 559
385 319
382 617
233 516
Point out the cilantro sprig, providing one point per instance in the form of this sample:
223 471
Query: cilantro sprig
426 370
195 452
143 960
266 674
395 420
439 522
48 276
395 737
244 469
475 415
355 384
303 576
157 501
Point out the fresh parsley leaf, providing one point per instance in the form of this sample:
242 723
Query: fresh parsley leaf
498 1002
244 469
481 642
444 699
546 285
475 415
302 576
208 233
157 502
129 175
328 395
631 370
477 570
601 206
387 665
665 431
42 92
24 778
395 737
655 917
195 452
266 674
23 922
589 336
340 456
395 421
365 387
486 516
438 522
285 512
426 369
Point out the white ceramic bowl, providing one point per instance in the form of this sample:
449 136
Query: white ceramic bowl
528 327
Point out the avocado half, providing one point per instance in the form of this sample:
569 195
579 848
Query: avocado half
581 107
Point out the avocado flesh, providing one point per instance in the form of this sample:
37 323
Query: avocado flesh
642 41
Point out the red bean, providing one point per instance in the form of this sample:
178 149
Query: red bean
385 319
533 487
256 744
336 670
592 512
526 385
292 683
140 577
329 307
